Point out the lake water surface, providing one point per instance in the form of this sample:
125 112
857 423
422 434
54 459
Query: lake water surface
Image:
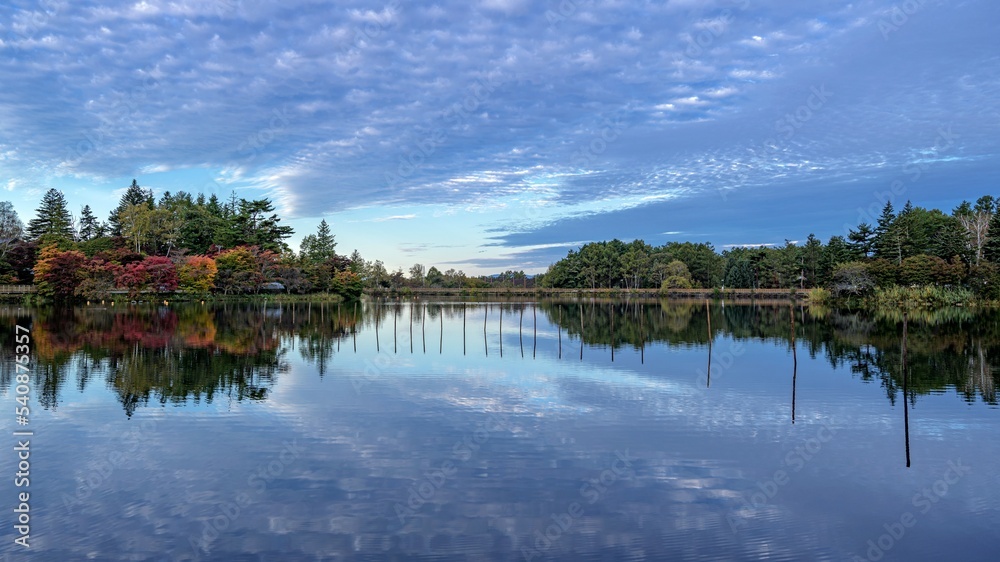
450 430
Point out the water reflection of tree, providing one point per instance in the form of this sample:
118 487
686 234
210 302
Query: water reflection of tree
162 354
322 331
947 349
174 354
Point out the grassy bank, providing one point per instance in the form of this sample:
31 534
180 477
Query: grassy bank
925 297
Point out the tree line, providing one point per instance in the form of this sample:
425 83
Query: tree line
910 247
195 244
202 245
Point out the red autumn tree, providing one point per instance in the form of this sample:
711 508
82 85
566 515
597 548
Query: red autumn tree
57 273
134 277
98 278
162 274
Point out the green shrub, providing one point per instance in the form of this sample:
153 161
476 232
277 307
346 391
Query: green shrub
818 296
922 297
677 277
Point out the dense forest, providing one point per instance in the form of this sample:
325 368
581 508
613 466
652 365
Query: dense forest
914 247
192 244
202 246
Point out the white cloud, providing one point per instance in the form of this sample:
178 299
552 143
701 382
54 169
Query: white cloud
395 218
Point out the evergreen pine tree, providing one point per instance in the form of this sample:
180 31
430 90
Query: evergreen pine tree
885 243
320 246
89 226
862 239
991 250
52 218
134 195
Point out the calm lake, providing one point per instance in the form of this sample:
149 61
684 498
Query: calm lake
451 430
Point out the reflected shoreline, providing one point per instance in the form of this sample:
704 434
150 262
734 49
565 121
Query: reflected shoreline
171 354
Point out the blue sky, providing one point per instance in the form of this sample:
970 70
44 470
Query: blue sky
493 134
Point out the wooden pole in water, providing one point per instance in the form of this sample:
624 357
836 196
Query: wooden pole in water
411 327
612 332
501 330
376 332
520 335
581 331
441 341
354 328
423 325
642 336
463 328
708 314
395 347
906 405
795 360
486 313
534 326
559 332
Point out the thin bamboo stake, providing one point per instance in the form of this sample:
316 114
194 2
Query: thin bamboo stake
795 359
560 331
708 314
642 336
520 335
906 402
